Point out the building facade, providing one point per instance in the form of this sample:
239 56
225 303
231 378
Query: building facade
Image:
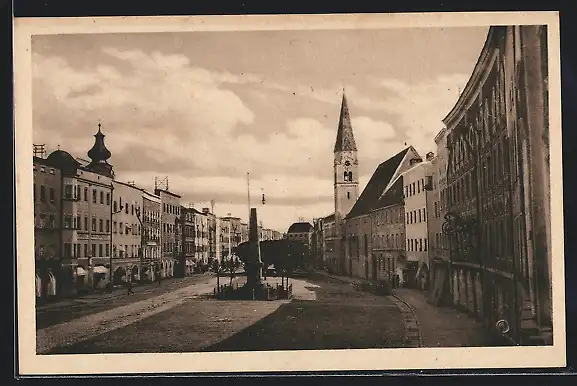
388 234
497 187
436 212
171 237
302 232
359 260
151 228
126 232
417 237
230 235
47 211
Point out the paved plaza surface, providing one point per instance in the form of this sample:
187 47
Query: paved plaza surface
69 309
326 312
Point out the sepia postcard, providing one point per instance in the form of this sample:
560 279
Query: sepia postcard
288 193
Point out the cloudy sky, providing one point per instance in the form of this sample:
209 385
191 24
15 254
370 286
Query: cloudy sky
205 108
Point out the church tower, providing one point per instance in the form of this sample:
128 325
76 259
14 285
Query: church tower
99 156
346 165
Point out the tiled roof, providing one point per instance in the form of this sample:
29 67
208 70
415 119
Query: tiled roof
300 227
345 138
393 196
377 184
330 217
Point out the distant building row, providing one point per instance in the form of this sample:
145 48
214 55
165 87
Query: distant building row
87 225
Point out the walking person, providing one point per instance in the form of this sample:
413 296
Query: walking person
129 288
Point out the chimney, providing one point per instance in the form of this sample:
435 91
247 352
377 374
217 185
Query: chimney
205 210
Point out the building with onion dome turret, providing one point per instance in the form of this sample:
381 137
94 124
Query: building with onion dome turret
85 199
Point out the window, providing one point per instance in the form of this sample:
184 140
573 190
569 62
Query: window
425 245
100 226
93 224
67 250
107 250
126 208
107 198
418 186
132 209
419 215
52 194
348 195
100 250
420 245
78 223
120 228
93 250
85 250
107 226
115 227
42 193
85 223
85 194
94 196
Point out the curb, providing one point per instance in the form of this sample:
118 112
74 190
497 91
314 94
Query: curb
413 336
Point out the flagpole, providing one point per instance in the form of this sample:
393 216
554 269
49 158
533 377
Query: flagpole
248 193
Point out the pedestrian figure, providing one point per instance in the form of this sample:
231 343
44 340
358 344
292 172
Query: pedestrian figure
159 277
129 288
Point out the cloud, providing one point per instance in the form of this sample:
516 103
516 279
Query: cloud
421 107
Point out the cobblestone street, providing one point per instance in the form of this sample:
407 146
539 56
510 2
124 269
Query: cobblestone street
326 312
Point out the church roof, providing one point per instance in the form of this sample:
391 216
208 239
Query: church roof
393 196
377 184
300 227
345 138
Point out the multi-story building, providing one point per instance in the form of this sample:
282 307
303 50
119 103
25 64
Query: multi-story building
301 231
126 232
329 244
359 260
151 230
212 222
189 239
47 210
201 236
436 211
171 237
85 220
388 233
230 235
243 232
416 232
498 187
317 247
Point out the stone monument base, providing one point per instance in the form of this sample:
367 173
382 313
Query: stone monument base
256 292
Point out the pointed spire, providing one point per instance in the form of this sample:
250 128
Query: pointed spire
99 154
345 138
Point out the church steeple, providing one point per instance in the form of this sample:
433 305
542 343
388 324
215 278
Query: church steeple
99 155
345 138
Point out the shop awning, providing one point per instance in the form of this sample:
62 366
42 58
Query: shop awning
100 269
80 271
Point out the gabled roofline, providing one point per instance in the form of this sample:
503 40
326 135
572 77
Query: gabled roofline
396 174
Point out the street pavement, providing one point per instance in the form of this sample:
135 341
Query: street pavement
326 312
72 308
334 316
443 326
437 326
